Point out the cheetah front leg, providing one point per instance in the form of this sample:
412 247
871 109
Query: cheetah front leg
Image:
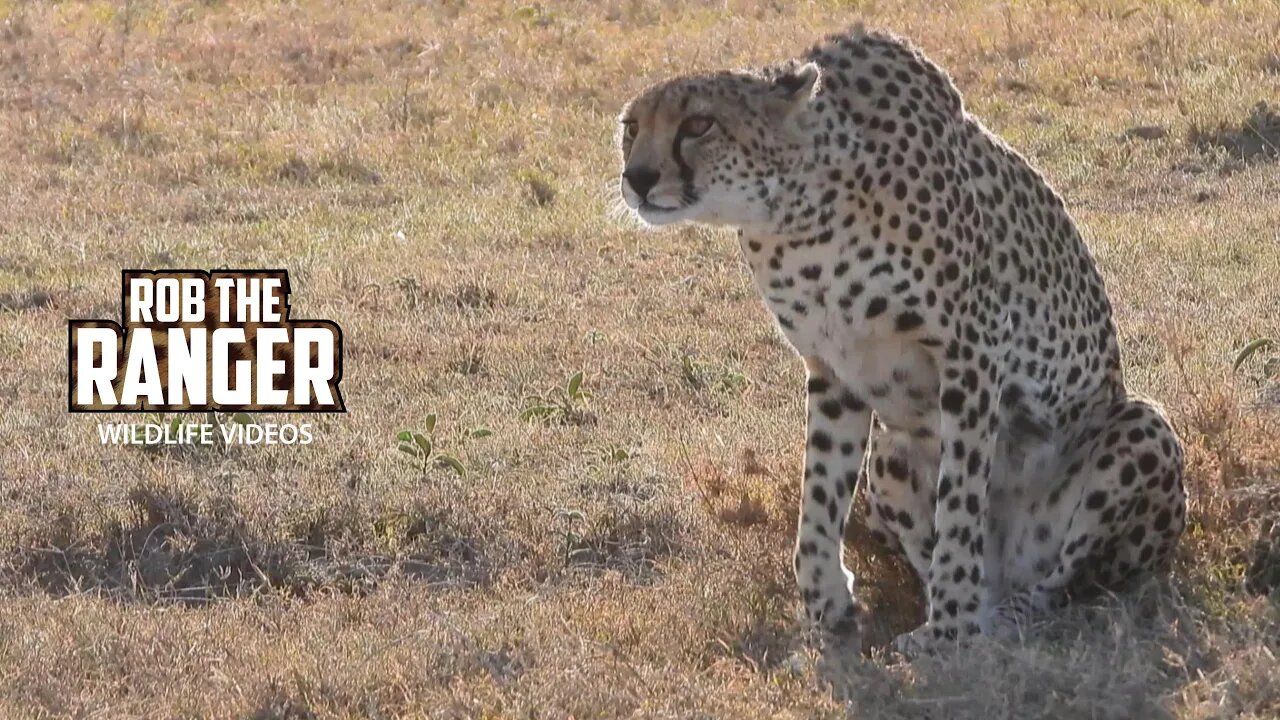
968 399
839 424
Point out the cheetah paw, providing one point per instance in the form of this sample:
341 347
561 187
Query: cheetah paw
929 639
797 664
917 643
835 611
840 622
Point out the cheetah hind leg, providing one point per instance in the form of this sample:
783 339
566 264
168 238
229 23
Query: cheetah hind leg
1126 516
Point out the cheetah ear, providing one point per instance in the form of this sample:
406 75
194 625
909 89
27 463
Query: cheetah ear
791 91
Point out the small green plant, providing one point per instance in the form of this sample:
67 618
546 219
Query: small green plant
702 375
1266 346
538 187
616 454
692 371
535 15
412 291
572 524
732 381
421 447
566 405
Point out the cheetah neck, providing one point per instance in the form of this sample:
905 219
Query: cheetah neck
800 213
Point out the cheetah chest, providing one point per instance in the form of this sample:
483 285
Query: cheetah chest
894 375
897 378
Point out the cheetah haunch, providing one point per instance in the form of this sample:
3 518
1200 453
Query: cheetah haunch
961 353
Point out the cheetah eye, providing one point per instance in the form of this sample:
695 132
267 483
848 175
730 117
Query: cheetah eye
695 126
629 129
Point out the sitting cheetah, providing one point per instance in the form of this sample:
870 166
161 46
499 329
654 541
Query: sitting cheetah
959 342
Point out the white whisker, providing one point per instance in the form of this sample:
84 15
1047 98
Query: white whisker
616 210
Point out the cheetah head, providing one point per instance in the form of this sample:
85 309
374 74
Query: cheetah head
714 148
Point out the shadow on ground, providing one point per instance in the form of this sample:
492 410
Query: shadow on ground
1126 656
176 552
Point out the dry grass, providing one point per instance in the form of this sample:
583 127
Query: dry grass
434 175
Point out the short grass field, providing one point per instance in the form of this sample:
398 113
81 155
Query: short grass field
439 177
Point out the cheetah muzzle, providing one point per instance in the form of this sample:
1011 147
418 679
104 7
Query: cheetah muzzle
962 360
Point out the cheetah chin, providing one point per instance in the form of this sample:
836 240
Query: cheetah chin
657 215
963 365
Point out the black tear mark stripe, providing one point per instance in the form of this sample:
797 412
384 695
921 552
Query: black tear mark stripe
687 192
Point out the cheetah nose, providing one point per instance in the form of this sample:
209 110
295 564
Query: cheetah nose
641 179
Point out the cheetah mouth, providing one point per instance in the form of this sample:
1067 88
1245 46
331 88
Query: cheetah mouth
647 206
657 215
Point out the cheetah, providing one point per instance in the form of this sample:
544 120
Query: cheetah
963 365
